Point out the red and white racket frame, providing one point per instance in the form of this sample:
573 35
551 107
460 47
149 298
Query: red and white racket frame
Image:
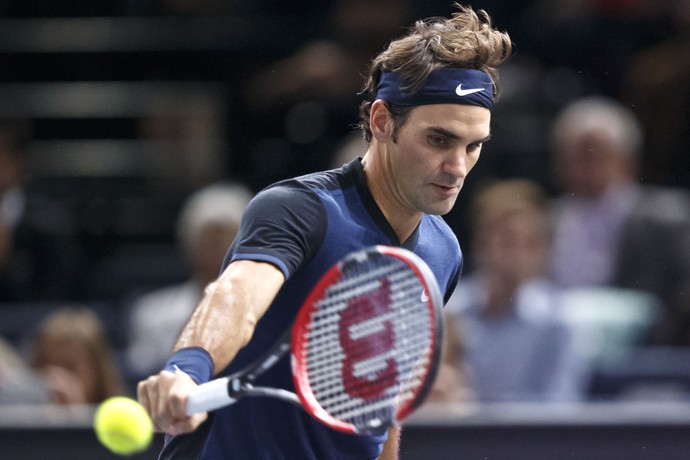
302 386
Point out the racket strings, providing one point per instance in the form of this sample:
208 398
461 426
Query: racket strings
325 349
386 354
326 318
408 374
325 321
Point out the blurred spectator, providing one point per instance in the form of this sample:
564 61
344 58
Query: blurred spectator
610 230
514 345
38 260
206 227
18 384
594 37
72 351
305 104
453 382
661 100
352 146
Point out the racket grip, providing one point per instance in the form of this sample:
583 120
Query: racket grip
209 396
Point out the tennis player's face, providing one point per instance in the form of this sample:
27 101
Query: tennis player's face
432 153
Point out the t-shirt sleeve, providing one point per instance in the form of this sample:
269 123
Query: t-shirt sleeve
283 225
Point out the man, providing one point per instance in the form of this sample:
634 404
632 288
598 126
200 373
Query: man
40 259
426 114
515 345
610 230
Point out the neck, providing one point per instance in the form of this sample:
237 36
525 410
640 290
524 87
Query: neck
381 184
501 296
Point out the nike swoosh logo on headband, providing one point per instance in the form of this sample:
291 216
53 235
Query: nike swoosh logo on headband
464 92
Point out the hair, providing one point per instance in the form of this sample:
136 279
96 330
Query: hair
511 196
217 204
495 206
80 327
603 115
466 40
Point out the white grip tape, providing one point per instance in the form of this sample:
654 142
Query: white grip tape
209 396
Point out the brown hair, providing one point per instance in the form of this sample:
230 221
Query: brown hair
82 328
466 40
511 196
495 212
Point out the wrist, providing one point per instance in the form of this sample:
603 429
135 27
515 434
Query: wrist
193 361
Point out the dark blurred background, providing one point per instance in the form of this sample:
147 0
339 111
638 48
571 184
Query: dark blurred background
126 107
132 105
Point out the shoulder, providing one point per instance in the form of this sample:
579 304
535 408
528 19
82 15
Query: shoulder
466 296
323 180
305 189
538 301
662 203
292 199
168 300
439 248
439 243
282 191
439 230
285 224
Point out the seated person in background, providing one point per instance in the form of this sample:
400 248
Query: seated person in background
72 352
39 258
610 229
452 382
514 345
208 223
18 384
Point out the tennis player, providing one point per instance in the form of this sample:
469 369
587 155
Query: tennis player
426 115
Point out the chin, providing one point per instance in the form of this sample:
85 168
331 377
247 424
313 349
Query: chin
438 210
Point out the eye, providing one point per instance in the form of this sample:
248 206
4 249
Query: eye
438 140
474 147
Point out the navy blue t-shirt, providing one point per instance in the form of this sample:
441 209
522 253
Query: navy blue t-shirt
304 226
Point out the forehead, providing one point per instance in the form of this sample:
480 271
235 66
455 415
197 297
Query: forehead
590 144
460 119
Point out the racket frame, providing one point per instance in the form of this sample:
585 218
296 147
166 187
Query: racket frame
435 303
224 391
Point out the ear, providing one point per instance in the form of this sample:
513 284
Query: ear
380 120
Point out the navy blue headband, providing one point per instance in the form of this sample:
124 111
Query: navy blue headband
447 85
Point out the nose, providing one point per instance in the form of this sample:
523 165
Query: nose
456 164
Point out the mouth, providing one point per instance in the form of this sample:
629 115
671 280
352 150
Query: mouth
447 190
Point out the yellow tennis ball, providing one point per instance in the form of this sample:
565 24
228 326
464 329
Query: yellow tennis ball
123 426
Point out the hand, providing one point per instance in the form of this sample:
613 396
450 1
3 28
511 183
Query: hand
164 396
64 386
451 385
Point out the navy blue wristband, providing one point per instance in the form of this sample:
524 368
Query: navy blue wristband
193 361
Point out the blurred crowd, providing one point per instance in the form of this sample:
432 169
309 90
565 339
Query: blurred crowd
575 224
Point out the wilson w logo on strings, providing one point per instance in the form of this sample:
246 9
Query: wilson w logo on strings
367 334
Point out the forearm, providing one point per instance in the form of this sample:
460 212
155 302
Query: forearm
218 325
226 317
222 324
391 447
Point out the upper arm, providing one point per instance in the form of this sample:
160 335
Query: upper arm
283 225
280 229
256 283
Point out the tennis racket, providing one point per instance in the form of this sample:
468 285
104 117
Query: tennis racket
365 345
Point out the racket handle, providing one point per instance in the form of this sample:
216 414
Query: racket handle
209 396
